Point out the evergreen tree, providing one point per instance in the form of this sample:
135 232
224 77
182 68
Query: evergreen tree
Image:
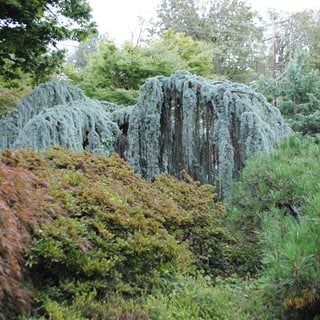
297 94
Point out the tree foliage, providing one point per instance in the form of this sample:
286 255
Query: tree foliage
116 73
208 128
30 28
217 125
297 93
8 99
180 16
294 32
279 195
228 24
81 56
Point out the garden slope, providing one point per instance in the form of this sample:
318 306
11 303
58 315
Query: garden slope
87 223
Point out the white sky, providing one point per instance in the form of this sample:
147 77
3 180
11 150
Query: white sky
118 18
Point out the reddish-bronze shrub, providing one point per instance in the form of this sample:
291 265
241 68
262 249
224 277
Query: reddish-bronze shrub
24 202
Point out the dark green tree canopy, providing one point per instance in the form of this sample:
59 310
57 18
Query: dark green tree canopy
28 28
296 93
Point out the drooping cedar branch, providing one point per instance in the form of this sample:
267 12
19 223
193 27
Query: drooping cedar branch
57 113
182 122
207 128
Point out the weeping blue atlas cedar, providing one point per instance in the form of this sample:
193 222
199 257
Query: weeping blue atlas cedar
182 123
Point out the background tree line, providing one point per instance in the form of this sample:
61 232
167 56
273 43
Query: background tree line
218 39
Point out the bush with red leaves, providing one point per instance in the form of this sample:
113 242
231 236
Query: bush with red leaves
24 203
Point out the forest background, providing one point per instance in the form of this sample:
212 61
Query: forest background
214 39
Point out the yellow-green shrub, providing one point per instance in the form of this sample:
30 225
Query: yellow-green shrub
118 234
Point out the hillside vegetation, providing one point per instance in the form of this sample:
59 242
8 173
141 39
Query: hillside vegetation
86 238
86 227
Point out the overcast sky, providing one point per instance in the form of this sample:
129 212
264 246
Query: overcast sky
118 18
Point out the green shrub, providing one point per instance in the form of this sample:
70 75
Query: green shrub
181 297
8 100
118 234
198 221
185 298
11 90
279 195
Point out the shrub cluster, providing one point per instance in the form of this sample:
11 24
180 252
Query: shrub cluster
279 195
87 238
117 234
